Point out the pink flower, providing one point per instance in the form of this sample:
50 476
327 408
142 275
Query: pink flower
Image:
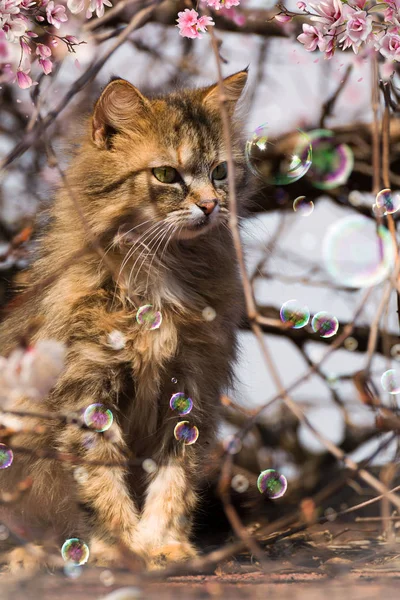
76 6
98 6
43 51
358 3
190 24
283 18
329 12
218 4
327 44
389 46
15 28
310 37
301 5
8 7
358 30
26 49
23 80
233 15
55 14
46 65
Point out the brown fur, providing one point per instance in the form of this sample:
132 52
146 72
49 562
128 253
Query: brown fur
181 275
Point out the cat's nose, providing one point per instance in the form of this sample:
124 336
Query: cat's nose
207 206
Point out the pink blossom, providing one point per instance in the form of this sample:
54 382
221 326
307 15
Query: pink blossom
46 65
329 12
233 15
55 14
358 3
301 5
23 80
219 4
327 44
76 6
358 30
15 28
3 46
310 37
25 47
190 24
389 46
98 6
283 18
71 39
43 51
9 7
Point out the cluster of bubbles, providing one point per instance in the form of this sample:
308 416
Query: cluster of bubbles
274 160
6 456
324 324
181 403
390 381
75 552
332 162
98 417
272 484
186 432
297 316
386 203
303 207
148 317
357 253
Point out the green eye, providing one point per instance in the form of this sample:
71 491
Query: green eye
220 172
165 174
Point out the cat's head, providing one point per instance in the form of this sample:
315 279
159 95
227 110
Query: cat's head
161 162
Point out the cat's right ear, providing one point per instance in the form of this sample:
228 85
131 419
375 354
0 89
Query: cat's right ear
119 105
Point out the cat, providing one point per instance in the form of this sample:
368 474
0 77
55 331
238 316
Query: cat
151 180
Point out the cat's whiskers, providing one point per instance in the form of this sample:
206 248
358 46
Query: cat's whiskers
159 235
170 229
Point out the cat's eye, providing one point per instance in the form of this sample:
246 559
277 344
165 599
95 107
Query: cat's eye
220 172
166 174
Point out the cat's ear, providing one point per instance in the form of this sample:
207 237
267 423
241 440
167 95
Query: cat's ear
233 88
118 106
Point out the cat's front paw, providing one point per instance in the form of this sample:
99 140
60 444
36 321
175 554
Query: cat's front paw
26 560
106 554
171 552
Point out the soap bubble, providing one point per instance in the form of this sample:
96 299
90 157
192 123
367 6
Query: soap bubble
357 253
388 201
149 465
232 444
209 313
149 317
6 456
395 351
186 433
293 313
350 344
98 417
325 324
303 206
277 160
240 483
181 403
72 571
272 484
174 380
75 551
390 381
332 162
107 578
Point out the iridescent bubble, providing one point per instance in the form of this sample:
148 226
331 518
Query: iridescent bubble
98 417
6 456
186 433
303 206
75 551
272 484
72 571
181 403
395 351
293 313
350 344
279 161
174 380
209 313
388 201
325 324
332 162
357 253
240 483
390 381
149 465
149 317
232 444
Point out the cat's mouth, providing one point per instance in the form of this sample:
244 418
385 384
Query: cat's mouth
192 229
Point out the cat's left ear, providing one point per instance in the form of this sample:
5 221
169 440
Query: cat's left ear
120 106
233 88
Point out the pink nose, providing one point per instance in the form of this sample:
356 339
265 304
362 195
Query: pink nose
207 206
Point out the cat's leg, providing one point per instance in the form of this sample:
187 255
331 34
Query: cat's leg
102 490
165 524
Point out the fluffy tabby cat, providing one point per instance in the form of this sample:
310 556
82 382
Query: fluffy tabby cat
151 179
